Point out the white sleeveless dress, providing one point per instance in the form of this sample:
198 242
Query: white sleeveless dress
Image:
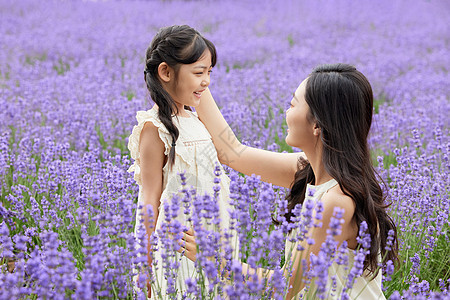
195 155
363 288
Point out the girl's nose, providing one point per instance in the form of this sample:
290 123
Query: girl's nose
205 82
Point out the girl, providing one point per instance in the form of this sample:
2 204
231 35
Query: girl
169 139
329 119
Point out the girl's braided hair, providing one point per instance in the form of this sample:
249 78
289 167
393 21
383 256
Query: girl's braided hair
173 45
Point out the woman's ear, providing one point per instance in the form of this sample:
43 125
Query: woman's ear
316 130
165 72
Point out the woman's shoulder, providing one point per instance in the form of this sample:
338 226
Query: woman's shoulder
335 197
335 201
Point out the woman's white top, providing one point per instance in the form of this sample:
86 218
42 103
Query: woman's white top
363 288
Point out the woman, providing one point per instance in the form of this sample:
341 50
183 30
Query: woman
329 119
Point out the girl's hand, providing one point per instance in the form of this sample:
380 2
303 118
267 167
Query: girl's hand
149 286
188 246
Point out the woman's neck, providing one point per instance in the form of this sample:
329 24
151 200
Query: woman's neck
315 160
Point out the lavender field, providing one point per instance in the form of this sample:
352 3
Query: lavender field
71 82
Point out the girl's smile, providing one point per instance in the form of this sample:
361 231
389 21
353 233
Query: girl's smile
191 82
199 93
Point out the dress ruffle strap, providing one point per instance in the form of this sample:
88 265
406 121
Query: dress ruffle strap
134 140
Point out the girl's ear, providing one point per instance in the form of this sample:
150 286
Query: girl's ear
165 72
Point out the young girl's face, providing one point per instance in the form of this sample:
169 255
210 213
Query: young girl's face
192 80
300 127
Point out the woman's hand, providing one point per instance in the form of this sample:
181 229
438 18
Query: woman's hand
188 246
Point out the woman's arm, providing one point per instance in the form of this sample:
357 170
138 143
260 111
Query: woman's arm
276 168
151 151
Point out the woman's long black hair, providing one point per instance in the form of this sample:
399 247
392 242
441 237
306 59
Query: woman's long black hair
174 45
340 100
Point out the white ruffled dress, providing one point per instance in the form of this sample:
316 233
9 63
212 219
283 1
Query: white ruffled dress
195 155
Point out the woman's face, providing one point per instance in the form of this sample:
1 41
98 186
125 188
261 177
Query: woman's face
191 81
300 126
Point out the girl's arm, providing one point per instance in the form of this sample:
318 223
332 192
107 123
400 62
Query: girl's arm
151 152
276 168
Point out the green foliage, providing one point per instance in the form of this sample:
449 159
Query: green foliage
32 59
388 158
290 40
280 141
432 268
118 143
61 67
378 102
129 94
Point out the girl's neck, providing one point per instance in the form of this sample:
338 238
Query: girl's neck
181 111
